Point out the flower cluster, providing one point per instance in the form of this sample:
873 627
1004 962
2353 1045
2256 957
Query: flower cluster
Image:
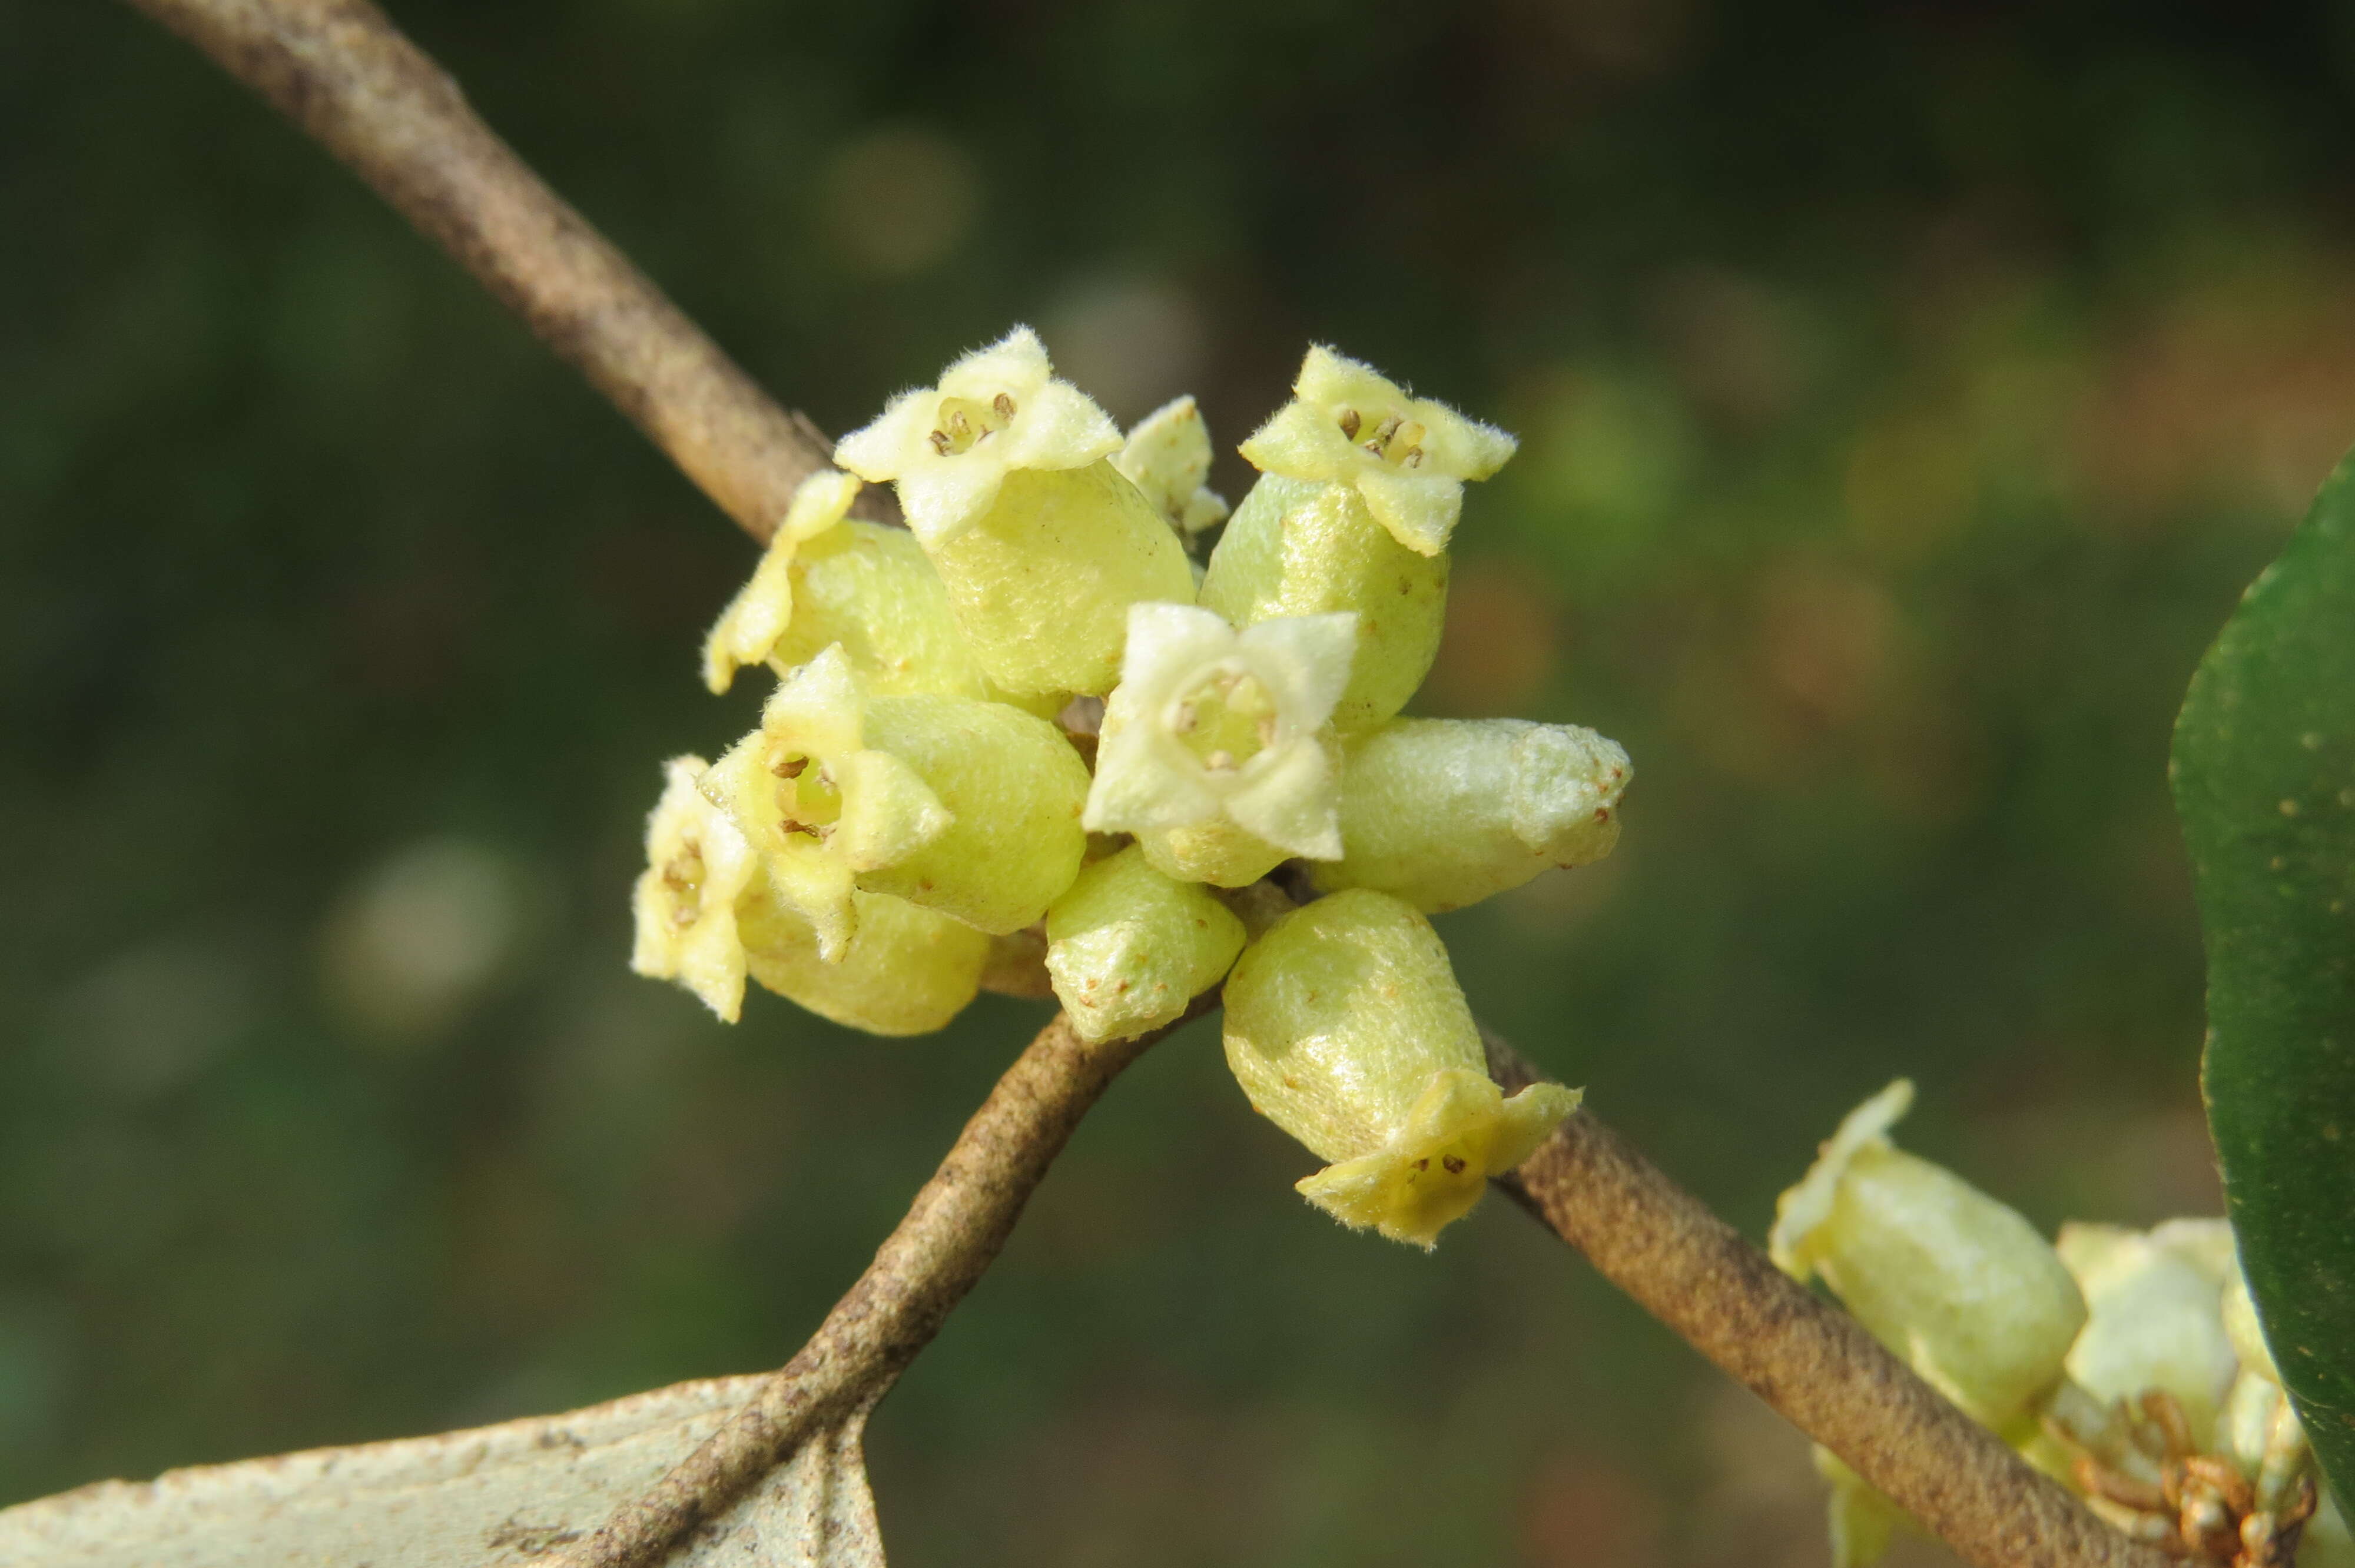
1031 716
2127 1364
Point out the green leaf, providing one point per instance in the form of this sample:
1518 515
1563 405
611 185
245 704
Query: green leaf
2264 779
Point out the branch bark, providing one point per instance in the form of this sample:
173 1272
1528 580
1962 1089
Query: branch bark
951 1234
343 73
1816 1365
340 71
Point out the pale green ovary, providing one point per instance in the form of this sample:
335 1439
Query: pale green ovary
1445 812
1306 547
1014 788
1041 584
1218 852
871 588
1128 948
906 971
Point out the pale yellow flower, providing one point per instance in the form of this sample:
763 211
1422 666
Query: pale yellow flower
1407 456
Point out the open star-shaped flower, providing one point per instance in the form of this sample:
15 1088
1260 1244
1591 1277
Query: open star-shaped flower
759 614
1211 724
1168 457
1349 424
947 448
697 866
816 804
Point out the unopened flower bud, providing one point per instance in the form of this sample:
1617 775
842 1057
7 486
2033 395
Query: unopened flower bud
1958 1283
1345 1025
969 808
1444 812
905 970
1213 729
1407 456
1041 542
697 865
1309 548
827 578
2154 1320
1168 458
1128 949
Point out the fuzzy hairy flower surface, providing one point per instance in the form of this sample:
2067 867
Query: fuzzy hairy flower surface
1212 724
1031 742
1345 1027
1168 458
756 619
906 969
967 806
1446 812
946 449
1955 1281
1127 947
1407 456
697 865
828 579
2155 1408
1308 547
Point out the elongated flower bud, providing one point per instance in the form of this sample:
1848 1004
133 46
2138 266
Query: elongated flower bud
1127 947
1407 456
1956 1282
1444 812
969 808
1345 1025
1309 547
697 865
905 970
2155 1320
1210 728
828 579
1041 542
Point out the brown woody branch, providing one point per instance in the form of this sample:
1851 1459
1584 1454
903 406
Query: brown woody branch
340 71
1813 1362
951 1234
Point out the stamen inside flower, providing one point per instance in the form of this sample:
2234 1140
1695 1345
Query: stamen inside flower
807 801
683 874
963 423
1225 720
1394 439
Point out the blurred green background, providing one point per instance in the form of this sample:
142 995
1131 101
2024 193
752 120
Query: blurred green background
1904 402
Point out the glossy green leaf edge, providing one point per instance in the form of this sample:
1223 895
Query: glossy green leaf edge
2264 774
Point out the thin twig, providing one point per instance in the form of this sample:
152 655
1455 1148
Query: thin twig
951 1234
1815 1364
339 69
345 74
